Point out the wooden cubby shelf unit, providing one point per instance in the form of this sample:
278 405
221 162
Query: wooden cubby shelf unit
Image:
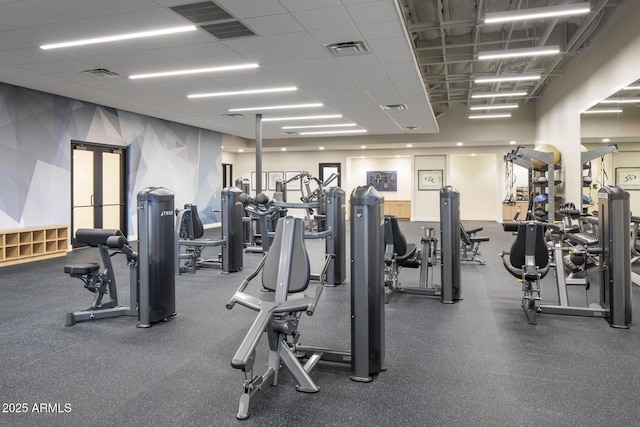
31 244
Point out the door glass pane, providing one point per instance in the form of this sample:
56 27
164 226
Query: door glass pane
82 189
111 186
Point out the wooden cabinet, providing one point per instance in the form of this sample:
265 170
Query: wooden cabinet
400 208
30 244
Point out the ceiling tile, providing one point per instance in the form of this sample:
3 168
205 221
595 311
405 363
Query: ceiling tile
26 14
251 9
323 18
297 39
273 24
373 12
326 36
297 5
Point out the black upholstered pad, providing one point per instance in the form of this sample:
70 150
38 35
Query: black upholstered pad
79 269
96 236
280 249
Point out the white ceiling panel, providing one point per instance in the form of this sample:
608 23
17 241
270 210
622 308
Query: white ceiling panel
273 24
251 9
289 45
297 5
373 12
323 18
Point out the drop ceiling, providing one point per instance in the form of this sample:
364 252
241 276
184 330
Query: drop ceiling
418 56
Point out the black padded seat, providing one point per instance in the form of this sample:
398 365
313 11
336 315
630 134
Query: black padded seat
469 238
404 251
300 266
82 269
529 242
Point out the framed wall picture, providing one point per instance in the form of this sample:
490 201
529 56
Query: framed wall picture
273 177
264 181
326 170
430 179
628 178
296 184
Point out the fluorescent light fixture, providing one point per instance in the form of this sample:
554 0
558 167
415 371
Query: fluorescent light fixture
621 101
337 125
490 116
631 88
286 119
507 78
119 37
193 71
497 94
277 107
603 111
518 53
244 92
493 107
538 13
328 132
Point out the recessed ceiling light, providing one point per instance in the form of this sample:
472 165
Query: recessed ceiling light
459 144
518 53
493 107
497 94
507 78
328 132
512 142
537 13
490 116
320 148
243 92
320 126
363 146
283 149
241 150
284 119
193 71
473 154
409 145
277 107
119 37
605 140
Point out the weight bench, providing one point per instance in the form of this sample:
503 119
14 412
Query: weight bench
103 283
470 248
285 271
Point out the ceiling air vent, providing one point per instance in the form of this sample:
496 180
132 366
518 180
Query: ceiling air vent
232 115
348 48
228 30
205 11
101 73
394 107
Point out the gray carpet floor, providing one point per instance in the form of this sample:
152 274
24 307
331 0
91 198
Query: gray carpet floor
474 363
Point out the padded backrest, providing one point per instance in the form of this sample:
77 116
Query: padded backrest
399 242
191 227
288 252
96 236
464 235
529 241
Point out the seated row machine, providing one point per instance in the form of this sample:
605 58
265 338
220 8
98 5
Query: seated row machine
190 230
528 260
151 268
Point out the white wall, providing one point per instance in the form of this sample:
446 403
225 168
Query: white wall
610 64
475 178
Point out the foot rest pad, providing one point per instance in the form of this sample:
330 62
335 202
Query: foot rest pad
80 269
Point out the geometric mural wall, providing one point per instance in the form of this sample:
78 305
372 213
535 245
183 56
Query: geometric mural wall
36 130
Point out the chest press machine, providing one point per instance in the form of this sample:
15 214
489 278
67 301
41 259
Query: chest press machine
285 272
151 269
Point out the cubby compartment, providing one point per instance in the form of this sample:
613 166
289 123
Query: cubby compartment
18 246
